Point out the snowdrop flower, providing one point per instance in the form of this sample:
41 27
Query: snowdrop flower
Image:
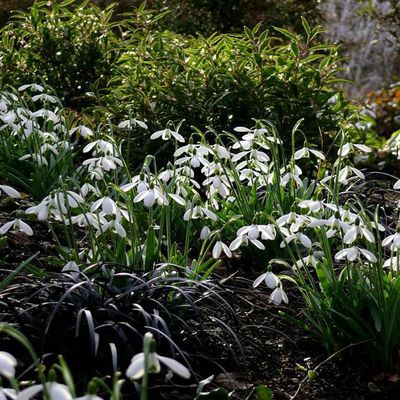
16 225
355 253
270 279
288 177
35 87
7 365
108 205
297 237
9 191
85 132
346 149
194 212
312 205
130 123
44 97
205 233
308 261
397 185
136 368
56 391
356 231
244 240
305 153
167 134
6 393
344 173
393 263
278 295
267 232
150 196
220 247
115 225
221 151
41 210
394 240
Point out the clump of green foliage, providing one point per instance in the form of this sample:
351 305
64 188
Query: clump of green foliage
71 49
226 80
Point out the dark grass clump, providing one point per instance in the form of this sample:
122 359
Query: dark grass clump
97 320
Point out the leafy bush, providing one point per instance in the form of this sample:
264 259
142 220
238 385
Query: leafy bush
226 80
71 50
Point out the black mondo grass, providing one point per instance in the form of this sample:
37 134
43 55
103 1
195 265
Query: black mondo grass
97 322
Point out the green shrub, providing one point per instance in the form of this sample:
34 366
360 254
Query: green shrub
227 80
70 49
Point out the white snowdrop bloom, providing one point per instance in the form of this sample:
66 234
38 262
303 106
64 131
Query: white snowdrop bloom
221 152
9 191
114 225
85 132
346 172
131 123
194 212
278 295
178 199
347 148
393 263
220 248
7 393
47 114
87 188
44 98
293 221
41 210
397 185
357 231
243 240
288 177
220 183
267 232
16 225
108 205
354 253
253 154
305 153
7 365
196 157
312 205
33 86
56 391
151 196
100 146
270 279
106 163
190 149
308 261
205 233
167 134
139 182
71 268
298 237
88 219
393 241
136 367
9 118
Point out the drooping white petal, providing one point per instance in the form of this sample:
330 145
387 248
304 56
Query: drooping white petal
175 366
